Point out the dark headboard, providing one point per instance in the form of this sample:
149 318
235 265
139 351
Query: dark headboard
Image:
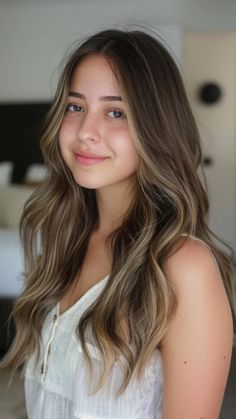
21 127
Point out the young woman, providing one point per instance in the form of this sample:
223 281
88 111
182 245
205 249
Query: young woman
125 312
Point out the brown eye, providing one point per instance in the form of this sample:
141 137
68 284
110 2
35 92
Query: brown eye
74 108
116 114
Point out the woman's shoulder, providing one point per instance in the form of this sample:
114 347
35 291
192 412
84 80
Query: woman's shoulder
191 257
195 277
196 349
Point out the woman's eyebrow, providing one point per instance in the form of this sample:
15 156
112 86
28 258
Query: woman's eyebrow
108 98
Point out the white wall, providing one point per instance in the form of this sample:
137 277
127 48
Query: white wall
35 35
207 15
211 57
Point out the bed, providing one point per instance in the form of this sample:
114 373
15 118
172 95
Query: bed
12 199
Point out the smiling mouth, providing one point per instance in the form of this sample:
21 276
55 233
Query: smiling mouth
88 160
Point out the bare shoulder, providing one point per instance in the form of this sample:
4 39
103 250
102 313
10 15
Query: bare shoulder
193 264
196 279
197 347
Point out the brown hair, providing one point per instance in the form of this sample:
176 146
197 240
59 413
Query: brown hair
170 201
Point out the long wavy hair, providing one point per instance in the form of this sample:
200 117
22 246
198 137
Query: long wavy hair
169 201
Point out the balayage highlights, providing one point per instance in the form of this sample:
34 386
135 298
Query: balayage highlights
169 201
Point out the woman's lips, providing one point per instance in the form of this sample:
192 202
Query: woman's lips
88 160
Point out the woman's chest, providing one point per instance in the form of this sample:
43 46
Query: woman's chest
96 266
63 370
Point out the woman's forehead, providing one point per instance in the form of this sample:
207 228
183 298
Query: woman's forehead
95 72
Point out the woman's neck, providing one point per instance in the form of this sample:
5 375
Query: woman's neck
113 203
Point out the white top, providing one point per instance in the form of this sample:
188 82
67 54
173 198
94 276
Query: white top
58 386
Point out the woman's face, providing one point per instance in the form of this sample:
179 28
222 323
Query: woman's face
94 138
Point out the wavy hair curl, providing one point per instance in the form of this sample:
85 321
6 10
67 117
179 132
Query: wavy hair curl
169 201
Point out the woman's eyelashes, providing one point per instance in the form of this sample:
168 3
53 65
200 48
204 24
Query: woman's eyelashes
112 113
117 114
74 108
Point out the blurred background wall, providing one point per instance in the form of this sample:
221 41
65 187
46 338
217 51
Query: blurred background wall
34 36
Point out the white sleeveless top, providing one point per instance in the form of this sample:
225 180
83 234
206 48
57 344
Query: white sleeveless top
58 386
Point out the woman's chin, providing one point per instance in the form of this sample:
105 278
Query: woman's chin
88 183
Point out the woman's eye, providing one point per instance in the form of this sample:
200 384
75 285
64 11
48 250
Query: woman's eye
116 114
74 108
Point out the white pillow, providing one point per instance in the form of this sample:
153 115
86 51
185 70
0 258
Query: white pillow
35 173
6 169
12 200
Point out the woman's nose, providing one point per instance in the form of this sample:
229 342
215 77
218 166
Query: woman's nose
89 128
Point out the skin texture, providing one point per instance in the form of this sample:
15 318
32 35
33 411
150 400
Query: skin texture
197 349
96 126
